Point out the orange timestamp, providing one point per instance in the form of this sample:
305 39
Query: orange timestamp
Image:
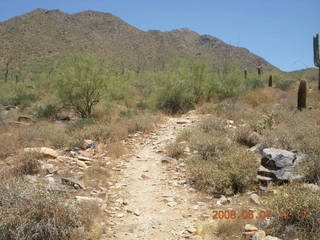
257 214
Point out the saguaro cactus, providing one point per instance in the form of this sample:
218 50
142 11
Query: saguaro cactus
316 58
270 81
245 73
302 95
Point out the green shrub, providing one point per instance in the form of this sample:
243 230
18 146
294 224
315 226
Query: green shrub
141 123
303 208
284 84
78 125
174 97
233 172
95 132
209 147
49 111
28 164
80 82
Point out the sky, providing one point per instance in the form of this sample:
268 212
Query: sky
280 31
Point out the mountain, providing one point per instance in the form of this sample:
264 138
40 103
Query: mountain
307 73
41 36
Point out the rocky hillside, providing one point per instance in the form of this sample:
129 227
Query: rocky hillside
45 35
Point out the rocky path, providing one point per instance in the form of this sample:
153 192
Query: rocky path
154 201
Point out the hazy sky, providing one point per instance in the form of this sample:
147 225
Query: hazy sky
278 30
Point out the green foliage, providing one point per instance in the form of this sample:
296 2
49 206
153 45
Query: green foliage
267 122
174 96
22 94
233 172
80 124
284 84
48 111
80 82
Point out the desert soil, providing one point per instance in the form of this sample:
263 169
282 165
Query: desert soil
152 199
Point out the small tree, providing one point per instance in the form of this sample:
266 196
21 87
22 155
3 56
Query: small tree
80 82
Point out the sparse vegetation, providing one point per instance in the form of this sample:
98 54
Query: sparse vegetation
297 206
233 172
31 212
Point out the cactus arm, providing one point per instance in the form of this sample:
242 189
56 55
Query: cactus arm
316 50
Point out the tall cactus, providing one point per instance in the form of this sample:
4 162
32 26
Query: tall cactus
270 81
316 57
302 95
245 73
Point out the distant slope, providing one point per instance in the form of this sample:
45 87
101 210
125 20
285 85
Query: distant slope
308 73
43 34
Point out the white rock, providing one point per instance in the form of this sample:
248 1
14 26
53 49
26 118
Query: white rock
255 198
250 228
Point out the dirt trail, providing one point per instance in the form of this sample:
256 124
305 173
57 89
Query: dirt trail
154 200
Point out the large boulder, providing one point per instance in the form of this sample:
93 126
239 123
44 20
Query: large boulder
278 165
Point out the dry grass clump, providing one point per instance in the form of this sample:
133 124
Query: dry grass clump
233 172
175 150
245 135
209 124
209 146
311 169
30 212
142 123
303 208
41 134
96 132
230 229
116 149
28 164
300 132
259 96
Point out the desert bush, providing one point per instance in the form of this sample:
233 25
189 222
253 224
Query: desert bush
229 86
175 150
266 122
209 147
174 97
22 94
303 208
284 84
233 172
96 132
31 212
80 124
28 164
185 135
311 169
258 97
49 111
212 124
142 123
80 83
246 136
38 135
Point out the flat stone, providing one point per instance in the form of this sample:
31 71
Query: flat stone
274 159
250 228
86 159
48 152
93 199
72 183
166 159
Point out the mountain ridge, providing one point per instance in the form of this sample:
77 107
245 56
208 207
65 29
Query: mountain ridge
49 34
